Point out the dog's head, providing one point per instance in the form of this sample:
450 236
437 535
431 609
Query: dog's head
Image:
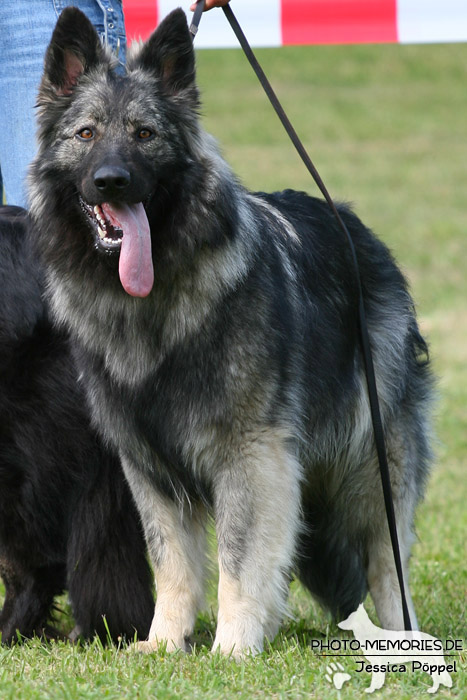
115 145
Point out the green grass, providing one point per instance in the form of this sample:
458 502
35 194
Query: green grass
386 127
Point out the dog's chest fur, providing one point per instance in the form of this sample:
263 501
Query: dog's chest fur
165 375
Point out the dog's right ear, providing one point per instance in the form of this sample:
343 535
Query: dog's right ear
168 54
74 49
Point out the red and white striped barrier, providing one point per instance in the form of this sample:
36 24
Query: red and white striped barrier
285 22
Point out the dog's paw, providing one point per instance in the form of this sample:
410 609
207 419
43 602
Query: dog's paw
336 675
238 647
235 653
149 646
146 647
239 632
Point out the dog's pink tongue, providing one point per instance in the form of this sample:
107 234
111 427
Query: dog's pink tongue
135 267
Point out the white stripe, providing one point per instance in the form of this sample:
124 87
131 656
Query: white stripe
431 20
282 221
259 19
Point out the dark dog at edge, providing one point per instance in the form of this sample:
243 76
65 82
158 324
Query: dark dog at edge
67 518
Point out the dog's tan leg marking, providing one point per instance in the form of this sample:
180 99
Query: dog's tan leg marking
179 577
176 542
240 624
257 501
382 576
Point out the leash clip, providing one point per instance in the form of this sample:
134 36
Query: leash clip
197 18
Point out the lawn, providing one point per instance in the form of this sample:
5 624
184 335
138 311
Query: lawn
386 127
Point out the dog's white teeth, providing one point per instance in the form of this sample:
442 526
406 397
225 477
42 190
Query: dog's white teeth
109 241
99 216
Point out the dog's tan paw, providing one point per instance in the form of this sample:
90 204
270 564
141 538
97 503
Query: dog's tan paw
146 647
151 645
236 651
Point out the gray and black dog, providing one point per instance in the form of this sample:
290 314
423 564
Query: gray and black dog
216 332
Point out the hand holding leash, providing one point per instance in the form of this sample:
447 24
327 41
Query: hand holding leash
210 4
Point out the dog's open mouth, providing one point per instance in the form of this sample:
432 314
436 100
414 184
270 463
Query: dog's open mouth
124 228
108 237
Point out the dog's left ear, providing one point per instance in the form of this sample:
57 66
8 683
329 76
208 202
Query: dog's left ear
169 54
73 50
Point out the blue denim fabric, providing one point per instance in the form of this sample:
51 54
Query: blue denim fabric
25 30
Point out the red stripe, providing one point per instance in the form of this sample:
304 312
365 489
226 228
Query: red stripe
140 18
338 21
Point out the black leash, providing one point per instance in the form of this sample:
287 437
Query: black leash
378 430
196 19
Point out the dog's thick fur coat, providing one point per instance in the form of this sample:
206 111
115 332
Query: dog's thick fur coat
216 331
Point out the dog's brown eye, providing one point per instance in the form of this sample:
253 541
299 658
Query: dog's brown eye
145 134
85 134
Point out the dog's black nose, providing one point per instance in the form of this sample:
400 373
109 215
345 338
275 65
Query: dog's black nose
110 178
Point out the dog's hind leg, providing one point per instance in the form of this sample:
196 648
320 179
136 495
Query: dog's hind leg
409 455
382 576
257 496
176 540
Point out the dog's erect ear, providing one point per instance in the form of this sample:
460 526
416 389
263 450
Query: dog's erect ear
74 49
169 54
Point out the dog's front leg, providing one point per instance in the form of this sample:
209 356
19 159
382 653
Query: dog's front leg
176 543
257 495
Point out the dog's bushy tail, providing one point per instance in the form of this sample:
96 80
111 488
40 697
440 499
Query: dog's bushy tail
331 567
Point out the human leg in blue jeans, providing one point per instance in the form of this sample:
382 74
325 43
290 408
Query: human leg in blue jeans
26 27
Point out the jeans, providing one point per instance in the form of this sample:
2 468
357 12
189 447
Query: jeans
26 27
